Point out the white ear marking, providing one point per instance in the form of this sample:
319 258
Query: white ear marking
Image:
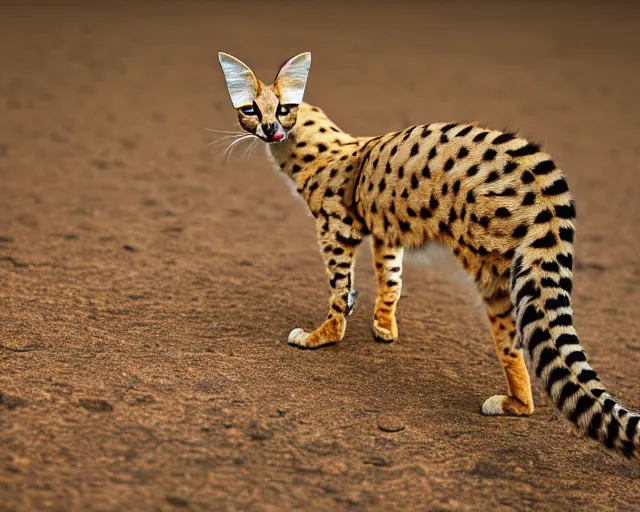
292 78
241 81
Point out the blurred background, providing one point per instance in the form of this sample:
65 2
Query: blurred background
147 285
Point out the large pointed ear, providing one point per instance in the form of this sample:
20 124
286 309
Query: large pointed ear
292 79
241 82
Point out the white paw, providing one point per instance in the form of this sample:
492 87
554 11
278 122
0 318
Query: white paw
492 406
298 337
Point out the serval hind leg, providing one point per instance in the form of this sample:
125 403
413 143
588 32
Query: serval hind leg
519 401
388 269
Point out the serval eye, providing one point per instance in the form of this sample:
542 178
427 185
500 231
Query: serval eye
283 110
248 111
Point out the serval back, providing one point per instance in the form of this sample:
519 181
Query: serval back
495 200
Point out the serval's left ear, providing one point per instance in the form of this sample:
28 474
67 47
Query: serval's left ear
292 79
241 82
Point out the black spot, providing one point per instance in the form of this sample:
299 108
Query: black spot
566 284
547 356
503 212
538 336
309 123
632 424
464 131
425 213
587 375
348 220
480 137
561 320
613 430
387 169
544 167
566 260
529 149
504 137
543 216
529 199
375 163
594 426
347 240
370 187
527 177
308 158
404 226
472 171
463 152
471 198
577 356
550 266
405 194
394 150
444 228
566 211
493 176
382 185
374 208
556 188
561 301
585 402
411 212
448 127
445 189
338 251
509 254
489 154
321 148
432 153
448 164
529 289
556 375
392 283
444 139
333 173
313 186
296 168
426 172
414 182
392 208
425 131
456 187
530 315
547 241
568 390
301 144
433 203
510 167
453 216
547 282
520 231
415 149
387 224
566 234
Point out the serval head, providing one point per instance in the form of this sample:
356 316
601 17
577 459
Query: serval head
267 111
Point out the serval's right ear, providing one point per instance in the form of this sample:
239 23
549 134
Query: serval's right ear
241 82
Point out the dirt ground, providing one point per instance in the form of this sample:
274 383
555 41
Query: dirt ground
147 289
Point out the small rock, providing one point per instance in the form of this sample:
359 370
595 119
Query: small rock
177 501
389 424
129 248
96 405
70 236
378 462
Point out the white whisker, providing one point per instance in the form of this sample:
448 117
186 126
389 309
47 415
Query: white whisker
229 151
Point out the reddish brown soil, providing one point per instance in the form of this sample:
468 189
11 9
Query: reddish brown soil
147 290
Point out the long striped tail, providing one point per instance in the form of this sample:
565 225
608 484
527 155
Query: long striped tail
541 282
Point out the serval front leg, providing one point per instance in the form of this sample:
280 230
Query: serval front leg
388 269
338 243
